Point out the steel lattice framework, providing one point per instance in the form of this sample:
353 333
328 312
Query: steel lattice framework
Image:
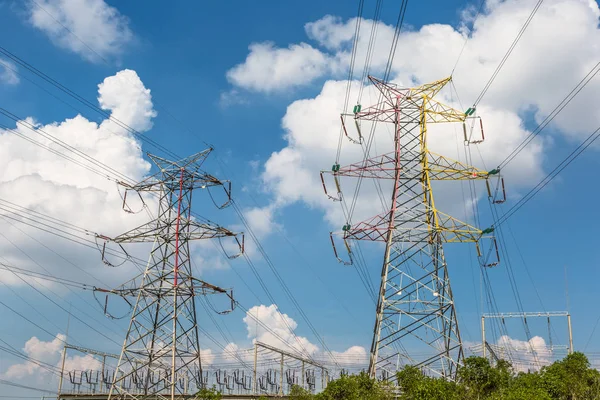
161 353
415 298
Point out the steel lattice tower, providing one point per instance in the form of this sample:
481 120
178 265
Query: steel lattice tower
161 353
415 298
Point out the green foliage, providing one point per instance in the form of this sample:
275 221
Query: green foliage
209 394
355 387
568 379
416 386
298 393
480 379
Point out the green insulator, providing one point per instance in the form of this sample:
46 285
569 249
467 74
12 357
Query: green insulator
494 171
488 230
470 111
335 167
346 227
357 108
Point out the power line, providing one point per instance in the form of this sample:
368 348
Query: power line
282 283
479 9
79 98
84 101
563 103
18 385
54 302
550 176
508 53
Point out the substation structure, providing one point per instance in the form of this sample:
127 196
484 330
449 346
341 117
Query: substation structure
415 308
247 374
528 356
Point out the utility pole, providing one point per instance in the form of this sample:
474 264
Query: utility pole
255 360
162 339
483 334
415 305
570 334
281 377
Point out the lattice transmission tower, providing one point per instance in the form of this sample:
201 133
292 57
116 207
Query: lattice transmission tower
415 299
160 358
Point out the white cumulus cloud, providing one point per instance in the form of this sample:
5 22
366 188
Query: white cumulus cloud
40 180
551 57
269 69
280 332
268 325
90 28
45 356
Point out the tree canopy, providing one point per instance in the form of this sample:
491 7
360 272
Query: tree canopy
569 379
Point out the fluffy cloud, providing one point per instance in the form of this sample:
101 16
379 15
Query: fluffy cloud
261 220
268 68
527 355
281 334
38 179
281 329
48 353
90 24
356 357
542 69
7 72
207 357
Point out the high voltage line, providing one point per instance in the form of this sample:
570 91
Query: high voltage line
550 117
129 129
508 53
499 221
358 22
238 211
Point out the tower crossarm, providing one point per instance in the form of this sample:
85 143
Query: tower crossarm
392 95
411 228
437 112
153 230
384 167
443 168
197 288
197 180
389 91
430 89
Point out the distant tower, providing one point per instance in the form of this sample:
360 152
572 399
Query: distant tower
415 299
161 353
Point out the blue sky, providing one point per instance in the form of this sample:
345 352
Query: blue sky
183 52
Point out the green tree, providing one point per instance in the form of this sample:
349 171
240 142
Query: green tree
298 393
571 379
409 380
414 385
356 387
209 394
480 379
